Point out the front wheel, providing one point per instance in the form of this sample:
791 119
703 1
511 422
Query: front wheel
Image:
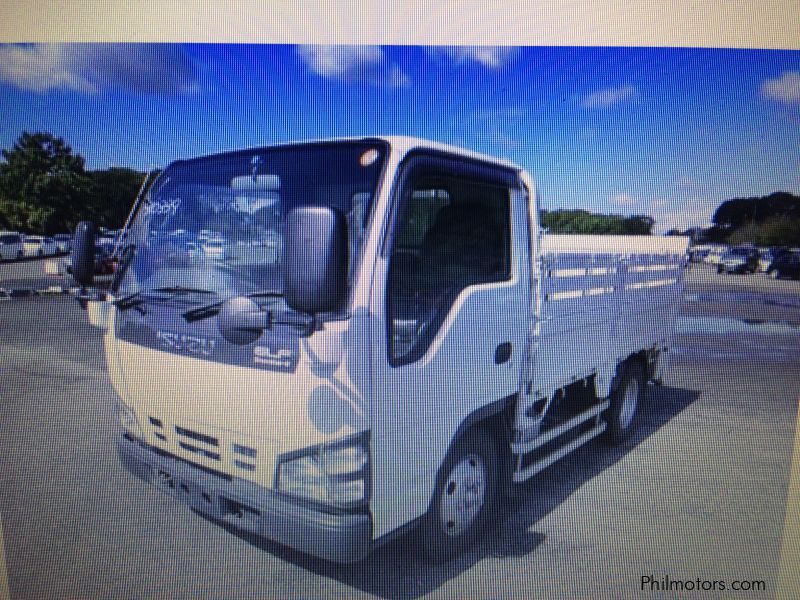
625 402
465 499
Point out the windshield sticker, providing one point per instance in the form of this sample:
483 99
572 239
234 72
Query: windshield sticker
163 207
369 157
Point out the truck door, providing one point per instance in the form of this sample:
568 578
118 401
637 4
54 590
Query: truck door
451 293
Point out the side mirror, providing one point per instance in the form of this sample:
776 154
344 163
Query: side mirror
83 253
315 259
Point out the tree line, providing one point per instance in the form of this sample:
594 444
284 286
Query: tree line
582 221
46 188
772 220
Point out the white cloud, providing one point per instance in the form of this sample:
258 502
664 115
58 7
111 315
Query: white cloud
681 214
40 68
365 64
339 61
609 97
659 203
396 78
785 88
682 219
88 68
623 199
491 57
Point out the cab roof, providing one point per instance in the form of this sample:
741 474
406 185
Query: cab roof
398 143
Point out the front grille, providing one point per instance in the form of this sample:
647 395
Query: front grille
197 445
198 450
206 439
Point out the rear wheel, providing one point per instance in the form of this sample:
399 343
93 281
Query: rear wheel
465 499
625 402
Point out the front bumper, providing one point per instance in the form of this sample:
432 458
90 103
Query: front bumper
342 538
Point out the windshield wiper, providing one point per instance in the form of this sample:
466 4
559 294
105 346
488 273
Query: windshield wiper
209 310
137 298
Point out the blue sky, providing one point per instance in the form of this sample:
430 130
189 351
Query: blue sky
665 132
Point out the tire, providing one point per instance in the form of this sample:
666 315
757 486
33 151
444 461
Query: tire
719 269
774 274
19 255
465 499
626 400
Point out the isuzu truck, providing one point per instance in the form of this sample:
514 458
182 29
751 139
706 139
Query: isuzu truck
385 339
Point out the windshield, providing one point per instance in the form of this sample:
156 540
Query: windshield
216 223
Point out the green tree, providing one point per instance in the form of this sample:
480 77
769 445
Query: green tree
113 192
43 185
734 213
777 231
584 222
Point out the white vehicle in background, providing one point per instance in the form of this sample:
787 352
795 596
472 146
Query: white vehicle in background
698 253
714 256
417 350
11 245
63 242
109 238
206 234
214 249
194 250
38 245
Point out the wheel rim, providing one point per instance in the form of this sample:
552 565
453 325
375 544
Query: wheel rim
629 401
463 495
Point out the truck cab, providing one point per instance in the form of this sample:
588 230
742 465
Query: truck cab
363 357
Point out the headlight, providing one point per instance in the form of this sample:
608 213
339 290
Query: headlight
127 418
337 474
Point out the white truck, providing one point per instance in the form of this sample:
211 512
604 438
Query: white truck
415 349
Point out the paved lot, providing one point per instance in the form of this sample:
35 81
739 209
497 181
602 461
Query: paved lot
699 492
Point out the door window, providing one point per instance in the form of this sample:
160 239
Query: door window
451 232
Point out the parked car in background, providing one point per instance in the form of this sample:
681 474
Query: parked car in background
714 255
107 241
206 234
739 260
785 266
37 245
698 253
10 245
63 242
214 248
768 257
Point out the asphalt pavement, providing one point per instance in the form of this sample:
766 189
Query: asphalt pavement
698 493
